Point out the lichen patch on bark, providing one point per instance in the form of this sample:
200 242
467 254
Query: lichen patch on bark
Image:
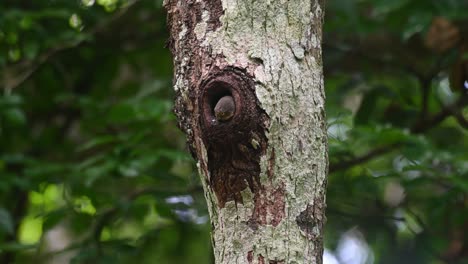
271 164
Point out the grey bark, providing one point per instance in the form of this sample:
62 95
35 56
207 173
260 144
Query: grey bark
263 170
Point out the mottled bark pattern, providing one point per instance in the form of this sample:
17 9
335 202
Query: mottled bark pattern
263 169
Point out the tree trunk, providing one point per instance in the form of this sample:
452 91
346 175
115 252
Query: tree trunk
262 149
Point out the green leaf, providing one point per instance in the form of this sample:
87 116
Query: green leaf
383 6
460 182
10 100
122 113
31 49
6 222
173 154
15 116
95 142
52 218
13 246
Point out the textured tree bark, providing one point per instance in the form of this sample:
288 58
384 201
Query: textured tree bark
264 163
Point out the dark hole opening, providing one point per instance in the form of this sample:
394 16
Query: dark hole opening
216 92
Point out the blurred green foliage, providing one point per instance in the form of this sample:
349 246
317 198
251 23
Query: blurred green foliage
398 134
94 170
88 142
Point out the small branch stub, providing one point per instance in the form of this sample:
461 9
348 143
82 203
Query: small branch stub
230 119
